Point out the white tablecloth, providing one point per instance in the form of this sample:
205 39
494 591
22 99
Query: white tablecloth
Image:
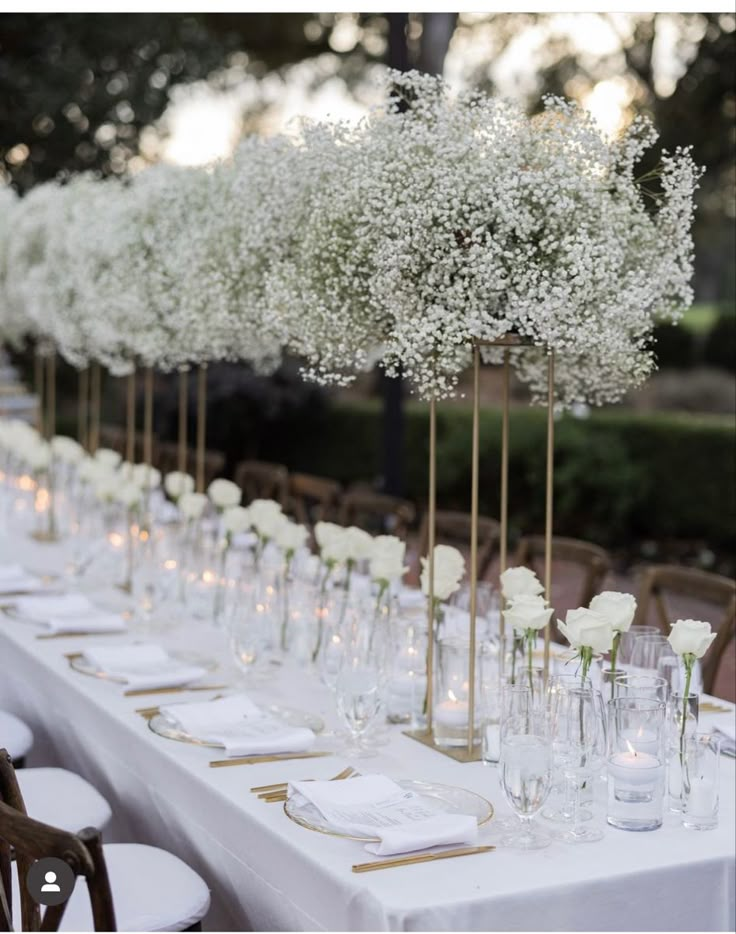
267 873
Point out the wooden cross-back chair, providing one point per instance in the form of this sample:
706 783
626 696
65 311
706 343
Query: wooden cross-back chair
377 513
703 586
31 840
262 480
453 528
167 459
313 499
592 560
116 438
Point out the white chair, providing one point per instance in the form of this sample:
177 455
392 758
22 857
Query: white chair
62 799
15 736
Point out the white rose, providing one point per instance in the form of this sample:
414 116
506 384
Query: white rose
192 505
291 536
129 494
146 477
691 637
224 493
108 458
618 608
335 548
520 582
66 449
90 470
358 544
235 519
527 612
387 560
449 569
266 517
126 471
587 629
326 532
38 456
106 486
177 483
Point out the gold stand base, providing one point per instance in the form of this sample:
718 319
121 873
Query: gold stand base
45 536
458 753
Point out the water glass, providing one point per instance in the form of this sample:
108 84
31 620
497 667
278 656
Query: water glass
649 650
358 696
628 641
633 685
526 778
700 782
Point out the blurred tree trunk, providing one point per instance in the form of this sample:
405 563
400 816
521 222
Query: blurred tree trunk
437 30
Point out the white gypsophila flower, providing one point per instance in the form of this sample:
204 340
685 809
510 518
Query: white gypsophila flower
387 559
449 569
177 483
192 505
224 493
618 608
14 321
520 581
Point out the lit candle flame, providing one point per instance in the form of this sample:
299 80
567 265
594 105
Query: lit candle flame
631 748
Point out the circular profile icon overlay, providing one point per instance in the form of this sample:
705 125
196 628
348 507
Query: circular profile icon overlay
50 881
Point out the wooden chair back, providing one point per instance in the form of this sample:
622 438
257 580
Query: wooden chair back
116 438
167 459
701 586
377 513
313 499
591 560
262 480
453 528
31 840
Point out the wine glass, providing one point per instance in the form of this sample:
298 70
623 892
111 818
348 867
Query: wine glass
576 725
358 695
247 626
526 773
628 641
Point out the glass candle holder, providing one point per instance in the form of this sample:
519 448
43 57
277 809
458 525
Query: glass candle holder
700 782
652 687
636 763
451 707
407 683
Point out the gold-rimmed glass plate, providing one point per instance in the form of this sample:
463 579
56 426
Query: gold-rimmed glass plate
161 725
440 799
85 667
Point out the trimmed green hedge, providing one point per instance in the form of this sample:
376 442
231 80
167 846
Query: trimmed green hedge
619 476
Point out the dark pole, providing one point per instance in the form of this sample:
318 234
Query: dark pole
392 387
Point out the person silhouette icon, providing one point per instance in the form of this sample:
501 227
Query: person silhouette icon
50 883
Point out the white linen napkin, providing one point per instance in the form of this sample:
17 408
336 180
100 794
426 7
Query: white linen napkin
239 725
143 666
15 579
43 608
95 621
374 805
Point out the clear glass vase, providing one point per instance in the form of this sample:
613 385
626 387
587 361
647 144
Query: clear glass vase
679 708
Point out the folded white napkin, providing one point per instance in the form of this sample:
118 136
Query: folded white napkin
15 579
239 725
143 666
95 621
43 608
374 805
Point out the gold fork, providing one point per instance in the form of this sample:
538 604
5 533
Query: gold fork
279 792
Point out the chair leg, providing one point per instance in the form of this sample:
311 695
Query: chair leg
195 927
19 763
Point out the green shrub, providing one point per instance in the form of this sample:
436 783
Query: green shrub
720 345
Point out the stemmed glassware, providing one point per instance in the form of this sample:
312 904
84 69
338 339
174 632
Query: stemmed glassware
577 726
628 641
358 696
526 766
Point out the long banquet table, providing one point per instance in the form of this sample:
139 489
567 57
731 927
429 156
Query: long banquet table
267 873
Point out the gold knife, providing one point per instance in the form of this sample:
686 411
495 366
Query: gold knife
181 689
254 760
72 635
426 858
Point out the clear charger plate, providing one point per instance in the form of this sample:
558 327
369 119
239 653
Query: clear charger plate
440 799
163 726
81 664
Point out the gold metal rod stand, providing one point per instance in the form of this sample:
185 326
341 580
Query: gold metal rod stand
148 416
95 392
183 416
431 535
38 380
505 478
83 408
51 395
201 425
130 417
473 547
549 501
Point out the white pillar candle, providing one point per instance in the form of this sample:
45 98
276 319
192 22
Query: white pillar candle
700 799
451 713
634 768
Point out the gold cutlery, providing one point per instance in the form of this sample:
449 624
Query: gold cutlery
72 635
280 785
182 689
709 707
254 760
426 858
279 792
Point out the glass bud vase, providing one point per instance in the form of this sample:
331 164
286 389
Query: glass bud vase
677 739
